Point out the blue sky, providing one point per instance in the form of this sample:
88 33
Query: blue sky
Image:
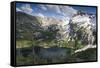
86 9
52 10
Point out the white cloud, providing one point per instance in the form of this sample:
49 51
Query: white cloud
17 9
53 8
43 7
58 9
40 14
67 11
26 8
50 8
70 10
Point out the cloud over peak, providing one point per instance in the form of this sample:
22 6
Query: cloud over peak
25 8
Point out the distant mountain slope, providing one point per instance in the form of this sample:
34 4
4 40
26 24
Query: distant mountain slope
28 27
